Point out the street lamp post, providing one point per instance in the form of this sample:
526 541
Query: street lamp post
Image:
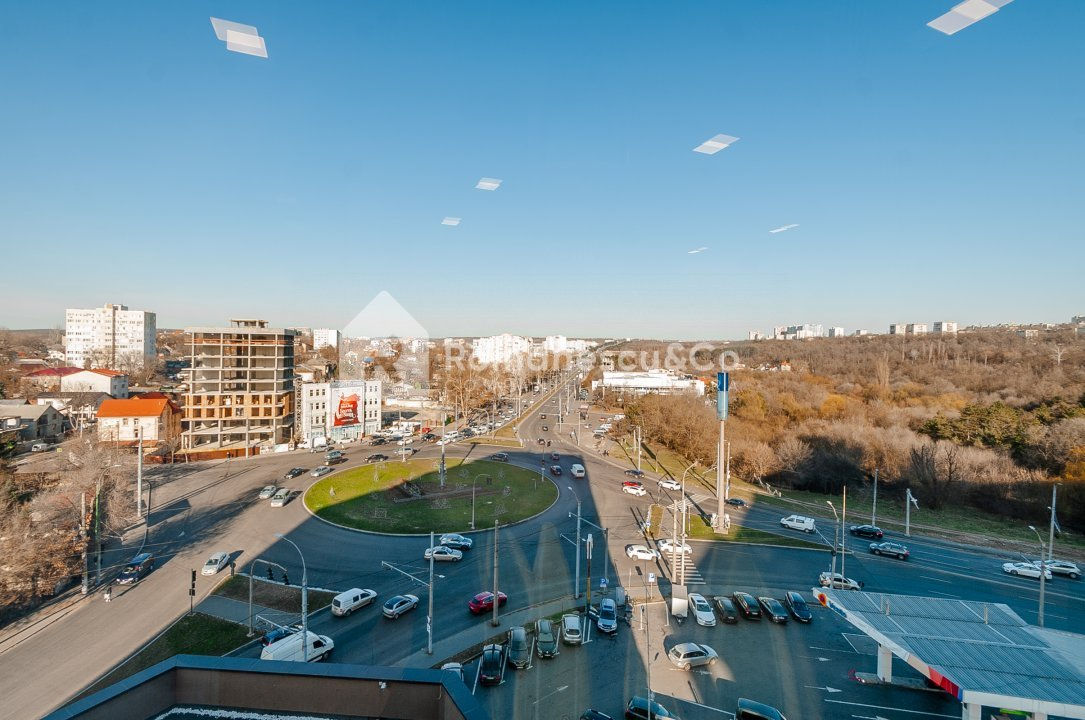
1043 573
836 524
576 584
304 600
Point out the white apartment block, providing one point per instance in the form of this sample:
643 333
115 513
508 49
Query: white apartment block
652 381
110 336
340 410
797 332
896 329
325 337
944 327
500 348
835 332
555 344
755 335
916 329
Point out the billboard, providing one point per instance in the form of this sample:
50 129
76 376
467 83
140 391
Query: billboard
346 403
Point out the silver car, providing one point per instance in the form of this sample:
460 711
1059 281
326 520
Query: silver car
688 655
571 629
607 620
1064 567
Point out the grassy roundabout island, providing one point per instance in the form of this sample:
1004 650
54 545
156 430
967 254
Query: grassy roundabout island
397 497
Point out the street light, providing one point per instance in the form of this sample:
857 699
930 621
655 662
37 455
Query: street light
1043 574
576 585
832 576
304 600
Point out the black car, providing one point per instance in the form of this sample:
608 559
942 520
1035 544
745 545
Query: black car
429 436
501 457
633 472
493 659
737 502
747 604
293 473
798 607
725 609
379 441
376 457
555 469
774 611
867 531
136 568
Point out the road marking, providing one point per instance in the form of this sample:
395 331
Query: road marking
563 688
706 707
826 688
853 651
812 657
928 577
893 709
870 717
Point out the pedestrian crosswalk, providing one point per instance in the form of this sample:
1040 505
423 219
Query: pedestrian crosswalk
684 569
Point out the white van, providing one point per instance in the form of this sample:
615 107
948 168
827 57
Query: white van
798 522
347 602
290 648
577 470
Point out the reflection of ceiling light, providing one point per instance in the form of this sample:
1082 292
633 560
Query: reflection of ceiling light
715 144
785 227
450 221
239 38
488 184
966 13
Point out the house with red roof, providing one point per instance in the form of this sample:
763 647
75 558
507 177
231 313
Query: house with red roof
96 380
123 422
49 378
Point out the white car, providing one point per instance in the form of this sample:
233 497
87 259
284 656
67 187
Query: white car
267 492
571 629
1025 569
321 471
670 484
666 546
641 552
1064 567
216 562
637 490
280 497
442 552
702 611
798 522
838 581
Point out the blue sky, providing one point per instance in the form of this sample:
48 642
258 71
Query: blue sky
932 177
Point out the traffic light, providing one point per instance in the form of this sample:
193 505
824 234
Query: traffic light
286 578
270 573
192 587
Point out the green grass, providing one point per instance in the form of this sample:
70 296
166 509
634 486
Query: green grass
364 497
195 634
272 595
700 530
496 441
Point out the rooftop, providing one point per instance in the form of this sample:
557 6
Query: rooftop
133 407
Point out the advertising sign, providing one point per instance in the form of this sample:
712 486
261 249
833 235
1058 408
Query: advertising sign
346 411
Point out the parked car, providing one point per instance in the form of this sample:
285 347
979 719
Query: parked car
607 619
455 540
39 447
299 646
634 488
280 498
396 606
577 470
747 605
348 601
519 648
772 608
216 562
293 473
670 484
1064 567
1025 569
555 456
838 581
136 569
376 457
641 708
591 714
890 548
666 546
546 640
491 665
641 552
737 502
500 457
689 654
726 609
484 602
751 710
571 629
866 531
442 553
379 441
267 492
633 472
797 606
320 471
555 469
702 611
798 522
454 667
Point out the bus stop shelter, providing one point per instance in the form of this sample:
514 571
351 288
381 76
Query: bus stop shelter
983 654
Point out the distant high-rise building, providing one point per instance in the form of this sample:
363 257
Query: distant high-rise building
110 336
944 327
1078 320
797 332
500 348
916 329
896 329
861 332
835 332
754 335
325 337
555 344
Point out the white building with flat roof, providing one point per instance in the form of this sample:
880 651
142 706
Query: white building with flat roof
652 381
896 329
500 348
797 332
109 336
835 332
340 410
916 329
944 327
325 337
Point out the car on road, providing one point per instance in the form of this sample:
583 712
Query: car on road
798 522
737 502
490 667
216 562
894 549
442 553
348 601
1064 567
299 647
455 540
607 619
555 456
281 497
484 602
773 609
293 473
633 472
136 569
376 457
571 629
320 471
667 546
39 447
641 552
689 654
747 605
396 606
752 710
670 484
500 457
541 441
634 488
592 714
518 648
1025 569
726 609
333 456
867 531
555 469
546 640
641 708
797 606
379 441
702 611
838 581
267 492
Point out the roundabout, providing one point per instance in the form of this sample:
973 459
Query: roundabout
408 499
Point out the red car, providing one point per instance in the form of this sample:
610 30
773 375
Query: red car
484 602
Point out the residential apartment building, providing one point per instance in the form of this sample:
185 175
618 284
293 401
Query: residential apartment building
835 332
945 327
915 329
157 421
100 381
241 388
111 335
896 329
652 381
340 410
500 348
797 332
325 337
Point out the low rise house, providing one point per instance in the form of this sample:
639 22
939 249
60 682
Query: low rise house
81 408
108 381
49 378
157 421
37 422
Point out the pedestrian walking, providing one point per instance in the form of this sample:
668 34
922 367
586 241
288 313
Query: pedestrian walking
231 567
108 594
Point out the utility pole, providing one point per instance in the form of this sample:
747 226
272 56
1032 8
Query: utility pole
304 599
843 520
588 544
674 546
1043 575
441 475
497 603
1051 526
640 439
576 584
874 507
139 471
83 536
723 386
727 474
429 617
832 566
909 501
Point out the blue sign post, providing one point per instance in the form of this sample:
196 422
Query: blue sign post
723 386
